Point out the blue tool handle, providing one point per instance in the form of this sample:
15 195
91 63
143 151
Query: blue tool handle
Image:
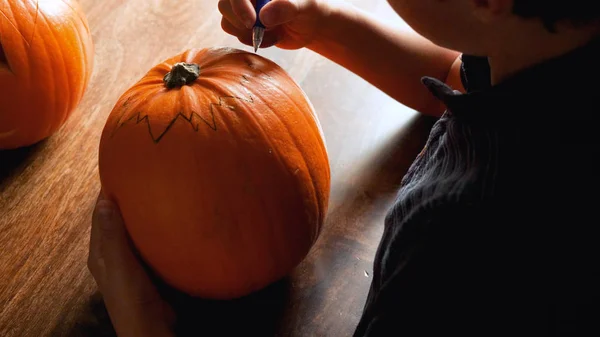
259 5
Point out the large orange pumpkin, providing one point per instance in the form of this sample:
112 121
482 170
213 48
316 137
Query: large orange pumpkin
46 60
218 163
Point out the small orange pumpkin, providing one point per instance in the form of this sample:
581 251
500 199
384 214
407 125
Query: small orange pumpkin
46 60
218 163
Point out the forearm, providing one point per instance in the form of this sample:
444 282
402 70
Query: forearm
392 60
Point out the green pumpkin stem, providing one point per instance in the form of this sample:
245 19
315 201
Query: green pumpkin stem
181 74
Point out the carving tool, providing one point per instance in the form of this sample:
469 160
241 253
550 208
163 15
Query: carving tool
258 32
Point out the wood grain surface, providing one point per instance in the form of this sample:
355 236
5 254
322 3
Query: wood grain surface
47 191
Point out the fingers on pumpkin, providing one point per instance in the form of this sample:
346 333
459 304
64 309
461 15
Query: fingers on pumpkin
109 244
127 289
95 262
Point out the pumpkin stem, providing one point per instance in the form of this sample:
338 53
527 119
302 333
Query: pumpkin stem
181 74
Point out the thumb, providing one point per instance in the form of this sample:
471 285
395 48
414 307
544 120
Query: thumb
113 245
114 240
134 304
278 12
125 277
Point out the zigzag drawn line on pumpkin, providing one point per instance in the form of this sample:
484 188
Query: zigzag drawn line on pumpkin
212 124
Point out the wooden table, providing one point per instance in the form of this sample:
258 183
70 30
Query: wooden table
47 191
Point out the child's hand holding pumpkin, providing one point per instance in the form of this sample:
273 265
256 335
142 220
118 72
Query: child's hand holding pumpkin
291 24
133 303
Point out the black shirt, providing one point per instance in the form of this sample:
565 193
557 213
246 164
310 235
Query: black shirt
495 230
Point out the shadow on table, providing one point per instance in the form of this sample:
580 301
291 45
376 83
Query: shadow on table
13 161
258 314
93 321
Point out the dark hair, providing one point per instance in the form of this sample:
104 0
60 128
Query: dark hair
575 12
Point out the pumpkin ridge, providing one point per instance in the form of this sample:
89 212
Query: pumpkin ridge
84 62
52 94
209 62
313 116
277 231
273 231
314 191
13 25
37 11
75 12
308 120
316 135
263 134
220 104
67 111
